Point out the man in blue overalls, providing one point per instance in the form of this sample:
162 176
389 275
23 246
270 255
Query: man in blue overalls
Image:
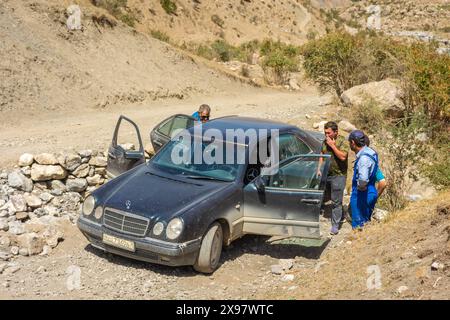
364 193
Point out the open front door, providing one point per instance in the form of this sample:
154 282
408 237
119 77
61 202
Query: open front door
287 203
162 133
122 157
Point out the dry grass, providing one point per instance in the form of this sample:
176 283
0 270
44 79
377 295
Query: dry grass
403 247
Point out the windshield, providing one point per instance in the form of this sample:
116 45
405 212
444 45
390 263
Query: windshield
215 160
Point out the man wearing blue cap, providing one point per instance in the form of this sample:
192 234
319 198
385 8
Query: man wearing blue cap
364 193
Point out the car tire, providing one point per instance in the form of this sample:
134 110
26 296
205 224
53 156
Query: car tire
210 249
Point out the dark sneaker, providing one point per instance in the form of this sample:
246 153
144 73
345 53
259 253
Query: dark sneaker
334 231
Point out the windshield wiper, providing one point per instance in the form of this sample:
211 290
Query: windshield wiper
203 178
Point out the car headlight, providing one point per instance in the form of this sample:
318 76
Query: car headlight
174 228
158 228
98 212
88 205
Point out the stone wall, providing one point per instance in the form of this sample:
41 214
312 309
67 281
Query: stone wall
39 192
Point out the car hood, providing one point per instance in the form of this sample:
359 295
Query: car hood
153 194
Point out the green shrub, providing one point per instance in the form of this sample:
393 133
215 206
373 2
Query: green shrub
280 64
169 6
269 46
340 61
428 84
402 159
160 35
224 51
439 172
246 50
331 61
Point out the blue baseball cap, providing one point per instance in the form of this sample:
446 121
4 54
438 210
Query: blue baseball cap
357 135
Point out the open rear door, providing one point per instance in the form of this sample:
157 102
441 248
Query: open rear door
121 157
287 203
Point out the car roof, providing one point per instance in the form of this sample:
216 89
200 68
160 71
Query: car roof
237 122
245 123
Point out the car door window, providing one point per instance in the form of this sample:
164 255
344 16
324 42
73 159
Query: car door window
175 123
290 145
298 175
181 123
165 127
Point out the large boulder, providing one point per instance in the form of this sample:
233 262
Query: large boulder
47 172
387 94
346 126
46 158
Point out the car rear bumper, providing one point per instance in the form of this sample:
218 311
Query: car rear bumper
146 249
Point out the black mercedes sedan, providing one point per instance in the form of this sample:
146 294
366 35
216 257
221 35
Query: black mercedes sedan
175 211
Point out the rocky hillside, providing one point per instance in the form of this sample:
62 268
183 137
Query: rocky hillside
404 15
45 66
234 21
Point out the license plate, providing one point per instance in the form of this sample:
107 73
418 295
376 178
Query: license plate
118 242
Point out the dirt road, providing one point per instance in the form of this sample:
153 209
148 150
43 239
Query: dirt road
52 131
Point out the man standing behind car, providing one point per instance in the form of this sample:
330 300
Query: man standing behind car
203 114
336 146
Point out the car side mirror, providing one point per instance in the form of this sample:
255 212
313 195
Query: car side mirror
260 184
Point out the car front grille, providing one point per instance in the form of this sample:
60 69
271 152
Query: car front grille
125 222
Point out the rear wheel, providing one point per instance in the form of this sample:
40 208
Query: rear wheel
210 250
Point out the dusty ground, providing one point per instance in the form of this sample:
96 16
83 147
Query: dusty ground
402 249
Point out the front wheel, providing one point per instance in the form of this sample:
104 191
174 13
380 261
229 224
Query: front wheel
210 250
